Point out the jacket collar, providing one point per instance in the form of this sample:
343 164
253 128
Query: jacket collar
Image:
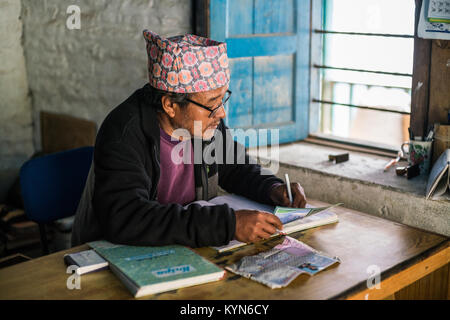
149 118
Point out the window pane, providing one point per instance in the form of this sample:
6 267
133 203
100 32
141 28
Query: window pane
371 16
369 53
386 54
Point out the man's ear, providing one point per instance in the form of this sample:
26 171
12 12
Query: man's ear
168 106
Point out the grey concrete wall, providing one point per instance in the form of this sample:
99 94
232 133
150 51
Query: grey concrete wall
360 183
84 73
87 72
403 207
15 106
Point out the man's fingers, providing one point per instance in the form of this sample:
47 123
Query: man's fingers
285 198
263 234
275 221
299 196
269 228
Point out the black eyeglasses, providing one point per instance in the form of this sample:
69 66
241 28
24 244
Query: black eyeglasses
213 111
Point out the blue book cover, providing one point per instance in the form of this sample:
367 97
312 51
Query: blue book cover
150 270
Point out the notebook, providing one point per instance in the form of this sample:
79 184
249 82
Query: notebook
151 270
293 219
87 261
438 187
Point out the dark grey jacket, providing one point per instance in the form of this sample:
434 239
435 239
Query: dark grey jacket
120 204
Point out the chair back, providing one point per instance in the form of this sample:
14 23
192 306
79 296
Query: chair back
52 185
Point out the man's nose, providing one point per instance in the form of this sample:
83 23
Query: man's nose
221 113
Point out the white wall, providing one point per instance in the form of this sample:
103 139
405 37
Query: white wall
88 72
84 73
15 105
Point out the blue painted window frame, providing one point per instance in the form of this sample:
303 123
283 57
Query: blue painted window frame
299 128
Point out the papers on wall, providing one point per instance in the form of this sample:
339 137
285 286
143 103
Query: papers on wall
432 30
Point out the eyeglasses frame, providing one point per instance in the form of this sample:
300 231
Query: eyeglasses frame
212 111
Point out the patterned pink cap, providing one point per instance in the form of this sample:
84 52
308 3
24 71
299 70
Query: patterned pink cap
186 64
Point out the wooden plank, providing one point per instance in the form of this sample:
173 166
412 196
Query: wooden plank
218 26
316 59
432 287
261 46
240 18
274 16
240 107
279 29
360 240
439 82
420 80
274 105
201 17
406 277
302 71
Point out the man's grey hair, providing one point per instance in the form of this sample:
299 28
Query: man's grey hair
157 94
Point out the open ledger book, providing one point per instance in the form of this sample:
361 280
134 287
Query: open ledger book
293 219
438 187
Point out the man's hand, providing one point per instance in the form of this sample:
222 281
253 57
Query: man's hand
279 196
253 225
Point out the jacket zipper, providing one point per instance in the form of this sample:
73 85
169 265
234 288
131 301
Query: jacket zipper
205 182
154 195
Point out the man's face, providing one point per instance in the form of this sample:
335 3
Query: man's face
205 125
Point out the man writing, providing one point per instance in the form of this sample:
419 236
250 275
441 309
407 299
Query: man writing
136 193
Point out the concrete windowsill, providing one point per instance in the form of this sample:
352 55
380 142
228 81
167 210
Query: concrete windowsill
361 184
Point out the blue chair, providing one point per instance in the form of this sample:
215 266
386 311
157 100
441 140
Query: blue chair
52 186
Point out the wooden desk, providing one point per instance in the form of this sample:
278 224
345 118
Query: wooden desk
404 255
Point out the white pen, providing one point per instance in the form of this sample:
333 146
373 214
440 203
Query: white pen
288 184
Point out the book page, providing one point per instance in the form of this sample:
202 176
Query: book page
241 203
235 202
201 203
437 173
293 219
320 218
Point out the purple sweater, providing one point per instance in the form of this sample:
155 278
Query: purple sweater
176 182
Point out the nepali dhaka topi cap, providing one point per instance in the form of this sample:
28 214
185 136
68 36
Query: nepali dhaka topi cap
186 64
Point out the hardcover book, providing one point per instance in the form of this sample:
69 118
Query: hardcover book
151 270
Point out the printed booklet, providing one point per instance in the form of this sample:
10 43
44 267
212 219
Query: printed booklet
278 267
